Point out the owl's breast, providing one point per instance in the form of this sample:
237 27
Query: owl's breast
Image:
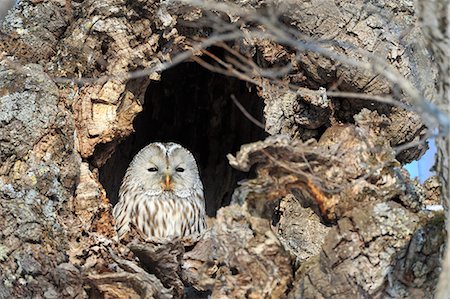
167 215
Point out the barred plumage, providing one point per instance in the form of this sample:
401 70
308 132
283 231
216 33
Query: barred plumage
161 194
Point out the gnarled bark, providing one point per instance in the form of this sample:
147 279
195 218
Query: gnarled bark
328 212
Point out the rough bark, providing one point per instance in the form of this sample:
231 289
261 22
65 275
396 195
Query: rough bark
379 233
39 174
239 257
333 216
435 23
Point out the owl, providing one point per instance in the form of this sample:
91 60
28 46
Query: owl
161 194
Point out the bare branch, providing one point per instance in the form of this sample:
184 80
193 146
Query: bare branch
246 113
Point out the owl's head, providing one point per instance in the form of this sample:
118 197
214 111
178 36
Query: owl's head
165 167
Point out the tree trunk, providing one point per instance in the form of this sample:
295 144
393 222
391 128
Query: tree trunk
433 15
323 207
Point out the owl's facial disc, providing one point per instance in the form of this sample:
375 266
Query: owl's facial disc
160 168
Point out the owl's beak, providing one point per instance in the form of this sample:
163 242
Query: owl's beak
167 183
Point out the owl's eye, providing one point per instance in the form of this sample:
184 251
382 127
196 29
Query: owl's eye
179 169
153 169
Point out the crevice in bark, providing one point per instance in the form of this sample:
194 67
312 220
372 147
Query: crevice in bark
346 109
192 106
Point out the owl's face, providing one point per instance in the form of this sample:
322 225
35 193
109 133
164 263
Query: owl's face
165 167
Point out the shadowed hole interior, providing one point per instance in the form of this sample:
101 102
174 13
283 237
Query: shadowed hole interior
192 106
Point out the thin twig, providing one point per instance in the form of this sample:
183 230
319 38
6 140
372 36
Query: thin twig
246 113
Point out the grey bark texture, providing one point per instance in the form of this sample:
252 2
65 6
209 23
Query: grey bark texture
432 16
329 211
